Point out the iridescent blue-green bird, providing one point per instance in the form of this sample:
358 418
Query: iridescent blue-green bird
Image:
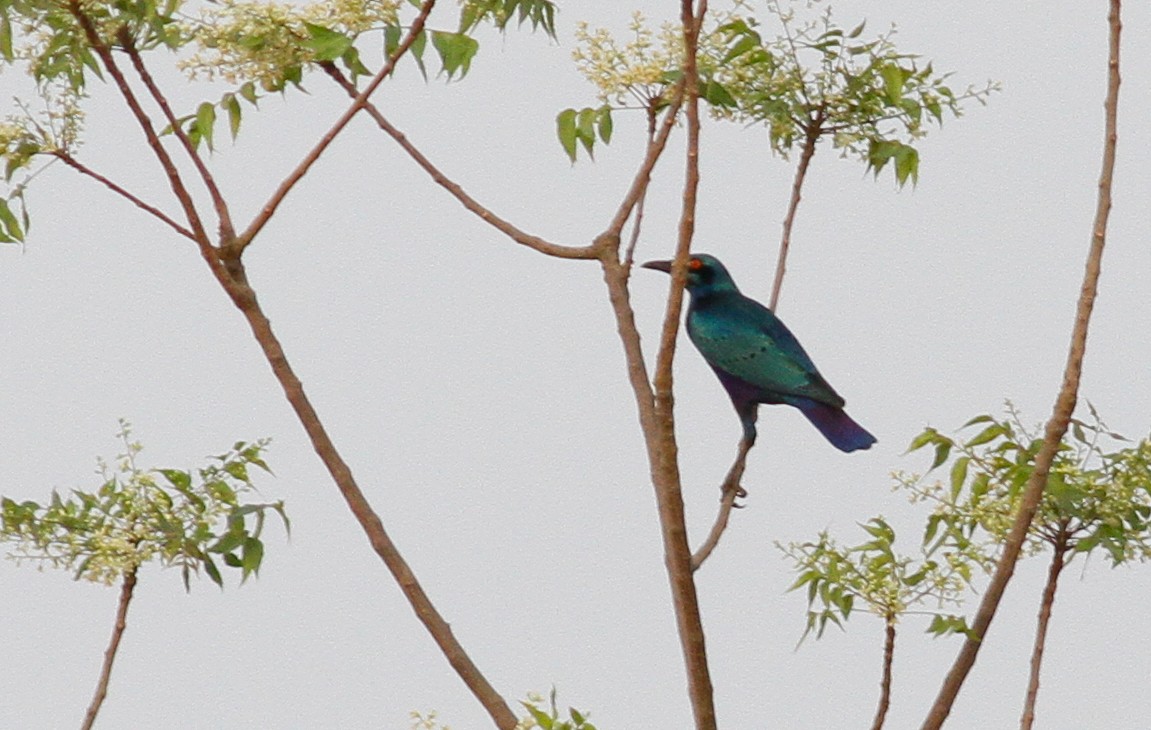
757 358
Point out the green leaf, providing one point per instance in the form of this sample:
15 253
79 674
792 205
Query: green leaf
352 62
942 451
212 571
456 51
604 123
988 434
6 37
181 480
205 121
929 434
232 104
252 555
893 78
585 129
958 475
237 469
566 131
326 44
715 94
9 223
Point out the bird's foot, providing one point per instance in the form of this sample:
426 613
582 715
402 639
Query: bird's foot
736 491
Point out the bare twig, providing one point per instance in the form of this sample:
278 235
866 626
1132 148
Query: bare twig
885 683
127 586
1058 561
813 128
357 104
730 491
1064 404
485 214
227 231
83 169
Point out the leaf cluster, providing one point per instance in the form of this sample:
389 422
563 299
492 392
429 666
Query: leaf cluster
872 573
180 518
1097 495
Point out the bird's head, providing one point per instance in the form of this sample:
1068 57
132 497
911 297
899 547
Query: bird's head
705 274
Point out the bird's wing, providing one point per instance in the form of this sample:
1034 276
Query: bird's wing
744 339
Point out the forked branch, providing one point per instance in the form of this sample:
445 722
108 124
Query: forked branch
357 104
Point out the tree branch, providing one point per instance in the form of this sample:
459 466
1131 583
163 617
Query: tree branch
227 231
730 491
245 299
885 683
305 164
1064 404
485 214
145 122
75 164
126 588
813 128
1059 552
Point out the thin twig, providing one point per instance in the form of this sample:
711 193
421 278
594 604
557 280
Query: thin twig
812 131
227 231
145 122
485 214
1058 561
637 224
83 169
885 683
1064 404
730 491
361 100
126 588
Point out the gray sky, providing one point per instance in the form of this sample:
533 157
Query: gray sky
478 391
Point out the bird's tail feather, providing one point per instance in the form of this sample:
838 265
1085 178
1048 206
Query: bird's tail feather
835 425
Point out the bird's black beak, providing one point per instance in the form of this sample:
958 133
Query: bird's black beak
664 266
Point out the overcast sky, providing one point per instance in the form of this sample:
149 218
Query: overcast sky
478 391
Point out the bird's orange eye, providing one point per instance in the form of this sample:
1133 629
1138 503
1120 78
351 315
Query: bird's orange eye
695 264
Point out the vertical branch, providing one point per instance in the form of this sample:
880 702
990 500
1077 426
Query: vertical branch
1064 404
813 129
885 683
1058 561
126 588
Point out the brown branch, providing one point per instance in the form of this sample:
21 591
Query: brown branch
227 231
1048 601
885 683
357 104
485 214
1064 404
126 588
730 491
245 299
639 184
813 128
661 436
145 122
75 164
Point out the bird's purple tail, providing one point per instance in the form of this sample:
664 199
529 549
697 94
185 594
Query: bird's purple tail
835 425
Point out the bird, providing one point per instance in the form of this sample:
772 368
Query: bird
757 358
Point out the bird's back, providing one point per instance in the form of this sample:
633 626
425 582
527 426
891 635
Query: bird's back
743 338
